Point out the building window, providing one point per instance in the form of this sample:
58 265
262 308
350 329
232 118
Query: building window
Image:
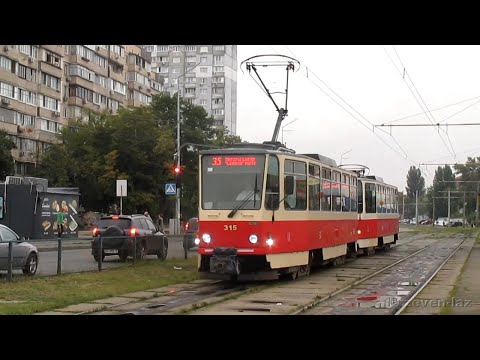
219 47
29 50
26 73
176 48
117 49
203 101
203 91
191 59
176 60
218 80
218 111
118 87
162 48
190 48
27 97
49 103
203 69
175 70
7 90
51 58
24 119
50 126
5 63
217 101
217 69
190 91
204 49
218 59
203 80
51 81
203 60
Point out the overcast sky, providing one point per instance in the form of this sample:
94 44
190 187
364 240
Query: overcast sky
380 91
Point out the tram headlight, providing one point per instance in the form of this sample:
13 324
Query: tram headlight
269 241
359 231
196 241
207 238
253 238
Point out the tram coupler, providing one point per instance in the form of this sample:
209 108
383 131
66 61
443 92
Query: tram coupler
225 261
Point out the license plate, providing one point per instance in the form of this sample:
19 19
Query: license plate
110 251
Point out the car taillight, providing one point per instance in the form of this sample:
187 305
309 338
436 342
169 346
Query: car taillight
186 226
133 232
115 217
95 230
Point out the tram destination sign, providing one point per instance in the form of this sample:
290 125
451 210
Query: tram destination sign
234 160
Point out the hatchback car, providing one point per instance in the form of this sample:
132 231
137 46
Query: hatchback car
25 255
120 233
191 228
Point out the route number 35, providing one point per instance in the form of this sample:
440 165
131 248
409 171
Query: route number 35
230 227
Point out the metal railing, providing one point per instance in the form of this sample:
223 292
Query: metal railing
60 248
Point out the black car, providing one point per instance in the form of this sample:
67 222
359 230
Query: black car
191 228
120 233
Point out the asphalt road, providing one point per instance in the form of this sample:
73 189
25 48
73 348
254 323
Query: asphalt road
77 260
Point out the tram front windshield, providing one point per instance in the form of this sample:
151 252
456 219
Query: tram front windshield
231 180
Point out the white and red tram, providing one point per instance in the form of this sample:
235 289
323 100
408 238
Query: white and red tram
266 212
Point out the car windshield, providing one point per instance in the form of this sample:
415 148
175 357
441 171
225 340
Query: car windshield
121 223
231 180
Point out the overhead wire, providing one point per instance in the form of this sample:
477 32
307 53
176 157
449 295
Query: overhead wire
428 112
350 113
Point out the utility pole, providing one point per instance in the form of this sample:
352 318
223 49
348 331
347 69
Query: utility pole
476 209
416 207
433 212
403 206
464 209
448 223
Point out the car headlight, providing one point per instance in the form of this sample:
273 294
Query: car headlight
196 241
253 238
207 238
269 241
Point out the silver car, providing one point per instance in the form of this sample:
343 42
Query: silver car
25 255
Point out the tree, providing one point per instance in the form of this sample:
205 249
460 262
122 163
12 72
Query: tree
442 182
415 182
137 144
6 159
470 171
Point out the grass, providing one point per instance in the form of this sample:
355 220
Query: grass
429 229
31 295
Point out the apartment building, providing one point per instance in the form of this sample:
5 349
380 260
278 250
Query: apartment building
43 86
206 75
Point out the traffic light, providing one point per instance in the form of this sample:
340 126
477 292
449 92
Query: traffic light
178 175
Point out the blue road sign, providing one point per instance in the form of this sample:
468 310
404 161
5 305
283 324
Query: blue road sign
170 189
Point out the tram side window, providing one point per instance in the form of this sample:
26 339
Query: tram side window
353 195
272 191
360 196
370 198
336 192
314 187
298 200
326 199
346 193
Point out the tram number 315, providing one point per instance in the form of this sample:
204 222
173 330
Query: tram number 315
230 227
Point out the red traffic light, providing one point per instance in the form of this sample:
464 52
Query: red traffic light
177 169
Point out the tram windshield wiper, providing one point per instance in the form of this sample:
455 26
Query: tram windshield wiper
247 198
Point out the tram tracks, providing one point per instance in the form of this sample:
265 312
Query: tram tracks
269 298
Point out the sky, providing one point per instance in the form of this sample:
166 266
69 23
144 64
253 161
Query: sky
368 85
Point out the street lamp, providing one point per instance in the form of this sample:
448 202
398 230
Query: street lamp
284 126
177 228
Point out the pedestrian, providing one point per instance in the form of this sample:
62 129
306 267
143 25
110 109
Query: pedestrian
160 222
60 219
147 215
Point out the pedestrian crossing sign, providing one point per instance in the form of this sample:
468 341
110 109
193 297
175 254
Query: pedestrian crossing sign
171 189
